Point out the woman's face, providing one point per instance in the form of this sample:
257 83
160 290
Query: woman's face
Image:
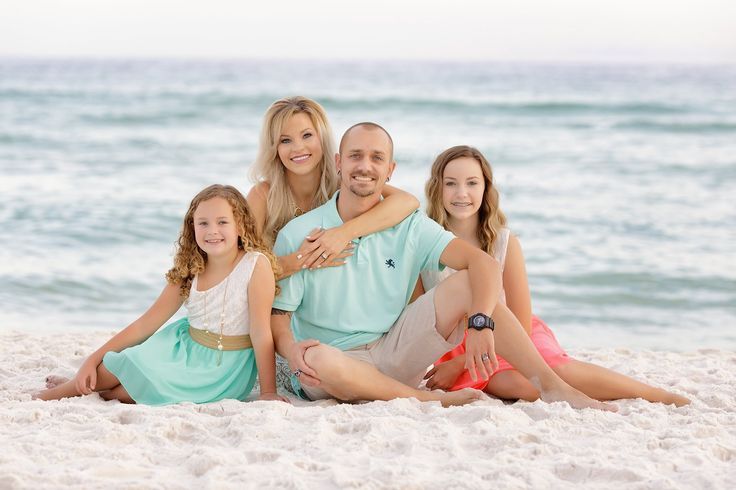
462 188
299 145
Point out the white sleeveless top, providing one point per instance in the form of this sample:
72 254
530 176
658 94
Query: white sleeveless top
431 278
237 320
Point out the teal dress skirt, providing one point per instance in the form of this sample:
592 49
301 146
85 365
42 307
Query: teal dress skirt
170 367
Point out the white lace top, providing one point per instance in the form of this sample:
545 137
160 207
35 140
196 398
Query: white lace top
237 321
431 278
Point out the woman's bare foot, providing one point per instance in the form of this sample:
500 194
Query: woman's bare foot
576 399
458 398
676 400
52 381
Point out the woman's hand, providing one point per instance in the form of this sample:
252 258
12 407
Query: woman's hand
86 378
443 376
330 247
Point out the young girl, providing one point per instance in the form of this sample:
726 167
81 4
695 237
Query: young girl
462 198
224 276
295 172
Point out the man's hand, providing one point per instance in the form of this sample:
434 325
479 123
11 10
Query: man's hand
298 366
480 353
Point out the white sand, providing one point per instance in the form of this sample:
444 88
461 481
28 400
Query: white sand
88 443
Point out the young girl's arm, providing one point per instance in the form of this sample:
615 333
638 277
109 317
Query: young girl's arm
260 298
395 206
516 284
168 302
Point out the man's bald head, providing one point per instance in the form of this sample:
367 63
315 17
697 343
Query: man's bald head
370 126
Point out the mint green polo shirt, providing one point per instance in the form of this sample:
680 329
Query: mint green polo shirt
356 303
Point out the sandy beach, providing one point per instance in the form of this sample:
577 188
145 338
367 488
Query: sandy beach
89 443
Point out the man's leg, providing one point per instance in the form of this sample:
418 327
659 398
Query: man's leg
452 301
349 379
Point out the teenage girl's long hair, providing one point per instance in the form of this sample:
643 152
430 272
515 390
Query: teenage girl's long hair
268 167
190 260
491 219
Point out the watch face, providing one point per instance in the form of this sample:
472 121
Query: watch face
479 321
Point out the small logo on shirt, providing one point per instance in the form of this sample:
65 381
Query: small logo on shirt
390 264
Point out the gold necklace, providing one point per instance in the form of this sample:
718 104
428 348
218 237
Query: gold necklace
222 319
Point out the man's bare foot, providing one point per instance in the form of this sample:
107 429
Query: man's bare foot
575 398
52 381
460 397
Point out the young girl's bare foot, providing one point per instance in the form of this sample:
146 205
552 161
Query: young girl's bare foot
52 380
575 398
460 397
673 399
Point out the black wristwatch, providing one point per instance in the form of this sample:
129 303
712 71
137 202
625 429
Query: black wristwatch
479 321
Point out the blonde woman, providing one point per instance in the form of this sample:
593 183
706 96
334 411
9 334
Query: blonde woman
295 172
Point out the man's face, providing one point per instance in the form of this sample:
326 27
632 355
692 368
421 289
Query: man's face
365 162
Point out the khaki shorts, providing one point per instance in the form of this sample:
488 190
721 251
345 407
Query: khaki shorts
405 352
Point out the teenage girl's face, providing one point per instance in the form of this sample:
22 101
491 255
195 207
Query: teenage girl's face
299 147
214 227
462 188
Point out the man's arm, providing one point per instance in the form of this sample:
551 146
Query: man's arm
291 350
484 273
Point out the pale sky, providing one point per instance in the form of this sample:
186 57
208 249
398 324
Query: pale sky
510 30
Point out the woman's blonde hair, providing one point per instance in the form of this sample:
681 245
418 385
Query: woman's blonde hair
490 217
190 260
268 167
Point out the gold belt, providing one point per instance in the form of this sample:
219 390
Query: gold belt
214 341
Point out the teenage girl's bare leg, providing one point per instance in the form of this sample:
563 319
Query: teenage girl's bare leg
595 381
117 393
511 342
349 379
105 381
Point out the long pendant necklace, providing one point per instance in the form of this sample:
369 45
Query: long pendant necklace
222 319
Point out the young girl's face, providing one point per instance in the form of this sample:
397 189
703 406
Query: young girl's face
214 227
300 148
462 188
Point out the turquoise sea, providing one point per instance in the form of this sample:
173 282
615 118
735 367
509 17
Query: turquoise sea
616 178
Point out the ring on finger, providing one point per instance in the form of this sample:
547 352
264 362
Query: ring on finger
297 373
324 255
484 357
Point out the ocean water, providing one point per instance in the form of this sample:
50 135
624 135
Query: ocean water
619 180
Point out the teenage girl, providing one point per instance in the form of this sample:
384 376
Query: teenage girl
224 275
462 197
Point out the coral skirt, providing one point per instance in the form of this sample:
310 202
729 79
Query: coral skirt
542 338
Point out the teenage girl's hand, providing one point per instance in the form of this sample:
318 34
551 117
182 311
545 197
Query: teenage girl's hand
477 344
86 378
334 243
297 364
273 397
443 376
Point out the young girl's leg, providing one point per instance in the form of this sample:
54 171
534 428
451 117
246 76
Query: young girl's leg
117 393
603 384
105 381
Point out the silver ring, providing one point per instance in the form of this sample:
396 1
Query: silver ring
324 255
485 357
297 373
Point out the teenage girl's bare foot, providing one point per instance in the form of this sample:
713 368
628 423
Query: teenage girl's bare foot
575 398
460 397
673 399
52 381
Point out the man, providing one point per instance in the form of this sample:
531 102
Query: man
355 338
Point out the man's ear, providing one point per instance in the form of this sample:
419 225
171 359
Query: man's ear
391 168
337 162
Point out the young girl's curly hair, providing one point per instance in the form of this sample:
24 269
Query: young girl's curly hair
190 260
490 217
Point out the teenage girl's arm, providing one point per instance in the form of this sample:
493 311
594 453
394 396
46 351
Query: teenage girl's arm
260 297
162 309
516 284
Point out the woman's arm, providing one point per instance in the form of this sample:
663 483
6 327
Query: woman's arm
260 298
516 284
395 206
